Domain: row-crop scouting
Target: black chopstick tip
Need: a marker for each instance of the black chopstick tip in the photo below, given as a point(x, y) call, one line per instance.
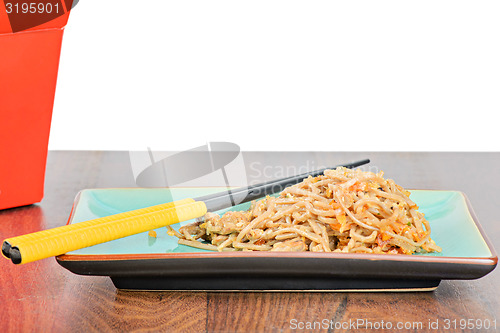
point(15, 255)
point(357, 163)
point(6, 249)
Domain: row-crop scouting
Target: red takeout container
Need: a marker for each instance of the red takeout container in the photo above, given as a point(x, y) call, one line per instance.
point(29, 60)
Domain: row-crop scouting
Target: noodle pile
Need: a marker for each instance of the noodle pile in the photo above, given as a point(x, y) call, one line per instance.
point(342, 210)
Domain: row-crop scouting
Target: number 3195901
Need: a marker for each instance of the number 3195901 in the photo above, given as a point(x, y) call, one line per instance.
point(31, 8)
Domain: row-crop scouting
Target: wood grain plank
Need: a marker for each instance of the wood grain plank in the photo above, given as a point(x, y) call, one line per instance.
point(269, 312)
point(101, 307)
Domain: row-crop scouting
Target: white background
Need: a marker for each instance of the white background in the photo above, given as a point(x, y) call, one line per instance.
point(279, 75)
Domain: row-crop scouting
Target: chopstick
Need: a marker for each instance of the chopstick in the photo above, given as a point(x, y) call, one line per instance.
point(60, 240)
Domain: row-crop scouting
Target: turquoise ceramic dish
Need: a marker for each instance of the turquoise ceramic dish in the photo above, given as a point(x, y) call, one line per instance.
point(466, 254)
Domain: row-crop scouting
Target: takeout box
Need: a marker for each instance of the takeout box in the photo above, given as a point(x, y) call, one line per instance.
point(29, 59)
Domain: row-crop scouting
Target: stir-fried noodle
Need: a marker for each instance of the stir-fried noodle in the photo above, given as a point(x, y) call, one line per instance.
point(343, 210)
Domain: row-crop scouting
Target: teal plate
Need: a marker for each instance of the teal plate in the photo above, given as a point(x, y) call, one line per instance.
point(144, 262)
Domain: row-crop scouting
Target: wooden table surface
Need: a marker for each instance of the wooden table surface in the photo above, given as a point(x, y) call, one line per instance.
point(43, 296)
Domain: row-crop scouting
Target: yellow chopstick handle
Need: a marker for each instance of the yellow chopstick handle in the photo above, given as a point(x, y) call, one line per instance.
point(19, 240)
point(53, 242)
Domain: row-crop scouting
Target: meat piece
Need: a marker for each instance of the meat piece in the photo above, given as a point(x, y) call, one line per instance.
point(230, 222)
point(194, 229)
point(292, 245)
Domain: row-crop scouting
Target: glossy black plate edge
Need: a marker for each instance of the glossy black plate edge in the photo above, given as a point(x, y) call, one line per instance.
point(270, 283)
point(279, 267)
